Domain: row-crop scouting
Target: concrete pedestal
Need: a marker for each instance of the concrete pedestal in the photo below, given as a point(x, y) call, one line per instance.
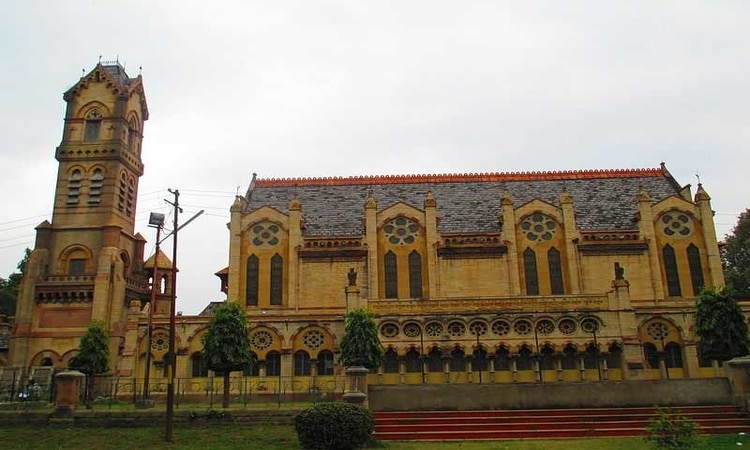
point(68, 385)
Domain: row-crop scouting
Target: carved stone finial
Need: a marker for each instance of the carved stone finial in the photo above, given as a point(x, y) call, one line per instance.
point(295, 204)
point(566, 198)
point(507, 199)
point(429, 201)
point(370, 203)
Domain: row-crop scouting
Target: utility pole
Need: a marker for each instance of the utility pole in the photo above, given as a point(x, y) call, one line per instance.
point(156, 220)
point(172, 310)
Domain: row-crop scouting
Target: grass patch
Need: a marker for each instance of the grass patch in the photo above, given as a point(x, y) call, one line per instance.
point(276, 437)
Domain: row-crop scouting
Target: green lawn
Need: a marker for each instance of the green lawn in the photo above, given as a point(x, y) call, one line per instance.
point(239, 436)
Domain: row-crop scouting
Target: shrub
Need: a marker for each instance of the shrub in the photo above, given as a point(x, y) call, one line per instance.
point(671, 431)
point(334, 426)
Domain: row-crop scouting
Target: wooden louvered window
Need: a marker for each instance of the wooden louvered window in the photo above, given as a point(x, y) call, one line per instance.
point(251, 297)
point(391, 275)
point(555, 271)
point(530, 273)
point(670, 268)
point(277, 269)
point(415, 275)
point(696, 269)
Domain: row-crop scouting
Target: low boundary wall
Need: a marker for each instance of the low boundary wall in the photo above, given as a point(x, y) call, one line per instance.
point(687, 392)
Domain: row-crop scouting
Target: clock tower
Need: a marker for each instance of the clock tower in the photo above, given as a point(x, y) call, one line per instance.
point(87, 263)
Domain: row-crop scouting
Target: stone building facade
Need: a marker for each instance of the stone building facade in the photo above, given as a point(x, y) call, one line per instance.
point(499, 277)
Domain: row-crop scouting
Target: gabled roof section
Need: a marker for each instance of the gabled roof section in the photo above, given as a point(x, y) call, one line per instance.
point(466, 203)
point(115, 74)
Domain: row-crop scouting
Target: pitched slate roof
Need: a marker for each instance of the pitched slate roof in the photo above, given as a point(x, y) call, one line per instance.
point(466, 203)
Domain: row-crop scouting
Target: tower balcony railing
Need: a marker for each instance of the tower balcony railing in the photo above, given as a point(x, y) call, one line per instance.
point(67, 279)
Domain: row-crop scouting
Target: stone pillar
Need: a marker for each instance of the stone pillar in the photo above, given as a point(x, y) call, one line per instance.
point(509, 237)
point(715, 272)
point(357, 390)
point(68, 385)
point(648, 234)
point(431, 235)
point(572, 237)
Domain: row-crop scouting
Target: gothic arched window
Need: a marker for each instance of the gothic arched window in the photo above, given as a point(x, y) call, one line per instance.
point(530, 273)
point(391, 275)
point(415, 274)
point(696, 269)
point(277, 270)
point(670, 268)
point(252, 281)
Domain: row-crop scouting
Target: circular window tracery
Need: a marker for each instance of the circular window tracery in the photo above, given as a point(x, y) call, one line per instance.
point(478, 328)
point(522, 327)
point(456, 329)
point(589, 325)
point(313, 339)
point(567, 326)
point(389, 330)
point(657, 331)
point(160, 341)
point(401, 231)
point(538, 227)
point(265, 234)
point(412, 330)
point(434, 329)
point(545, 327)
point(500, 327)
point(677, 224)
point(261, 340)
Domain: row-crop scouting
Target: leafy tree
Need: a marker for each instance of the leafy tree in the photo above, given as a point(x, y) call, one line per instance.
point(93, 356)
point(226, 345)
point(360, 345)
point(735, 256)
point(9, 287)
point(721, 326)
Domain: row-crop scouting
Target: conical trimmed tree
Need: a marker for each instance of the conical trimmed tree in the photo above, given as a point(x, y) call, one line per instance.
point(226, 345)
point(361, 345)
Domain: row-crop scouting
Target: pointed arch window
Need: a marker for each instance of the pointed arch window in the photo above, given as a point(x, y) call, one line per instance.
point(458, 361)
point(325, 363)
point(696, 269)
point(415, 274)
point(555, 271)
point(92, 126)
point(277, 270)
point(435, 360)
point(95, 188)
point(530, 273)
point(670, 268)
point(391, 275)
point(413, 361)
point(74, 187)
point(673, 355)
point(198, 365)
point(273, 364)
point(302, 363)
point(252, 281)
point(391, 361)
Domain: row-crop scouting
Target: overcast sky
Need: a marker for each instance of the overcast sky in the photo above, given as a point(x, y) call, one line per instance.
point(326, 88)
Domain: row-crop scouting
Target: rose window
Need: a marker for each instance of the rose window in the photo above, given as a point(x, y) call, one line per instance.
point(265, 233)
point(160, 341)
point(389, 330)
point(677, 224)
point(434, 329)
point(545, 327)
point(567, 326)
point(313, 339)
point(261, 340)
point(538, 227)
point(589, 326)
point(401, 231)
point(522, 327)
point(412, 330)
point(500, 328)
point(657, 331)
point(456, 329)
point(478, 328)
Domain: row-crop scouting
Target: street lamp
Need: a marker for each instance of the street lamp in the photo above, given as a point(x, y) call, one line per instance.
point(155, 220)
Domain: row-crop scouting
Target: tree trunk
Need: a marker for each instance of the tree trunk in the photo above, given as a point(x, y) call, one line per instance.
point(89, 394)
point(225, 400)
